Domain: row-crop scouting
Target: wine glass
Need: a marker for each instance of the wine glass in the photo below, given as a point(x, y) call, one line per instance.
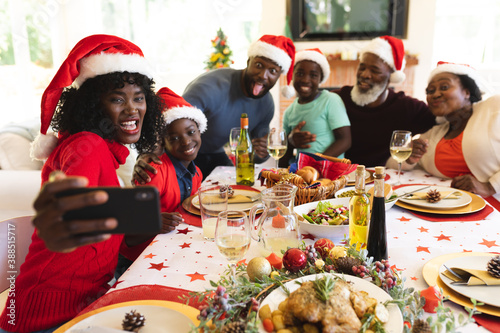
point(232, 236)
point(234, 137)
point(277, 144)
point(400, 149)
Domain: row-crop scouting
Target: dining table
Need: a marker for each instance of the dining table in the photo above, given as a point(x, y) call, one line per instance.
point(182, 261)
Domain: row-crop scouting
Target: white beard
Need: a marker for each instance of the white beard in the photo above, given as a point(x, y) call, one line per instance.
point(368, 97)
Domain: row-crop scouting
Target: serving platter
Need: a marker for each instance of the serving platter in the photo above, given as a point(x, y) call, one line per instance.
point(351, 180)
point(394, 325)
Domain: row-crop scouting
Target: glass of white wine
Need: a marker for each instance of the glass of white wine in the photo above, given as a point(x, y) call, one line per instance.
point(400, 148)
point(232, 236)
point(234, 137)
point(277, 144)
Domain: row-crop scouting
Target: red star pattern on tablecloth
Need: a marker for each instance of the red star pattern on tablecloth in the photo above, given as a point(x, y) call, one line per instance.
point(422, 229)
point(184, 231)
point(159, 266)
point(183, 246)
point(152, 242)
point(443, 237)
point(414, 278)
point(196, 276)
point(150, 256)
point(403, 219)
point(423, 249)
point(308, 236)
point(488, 243)
point(241, 262)
point(117, 283)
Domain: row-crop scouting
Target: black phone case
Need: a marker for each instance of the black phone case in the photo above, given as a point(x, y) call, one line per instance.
point(136, 209)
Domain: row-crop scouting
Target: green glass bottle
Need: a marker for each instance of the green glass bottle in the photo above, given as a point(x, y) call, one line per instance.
point(245, 166)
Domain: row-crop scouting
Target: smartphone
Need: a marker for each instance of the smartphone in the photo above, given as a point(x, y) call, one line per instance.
point(137, 209)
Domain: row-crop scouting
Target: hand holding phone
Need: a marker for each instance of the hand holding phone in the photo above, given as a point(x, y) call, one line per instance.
point(137, 209)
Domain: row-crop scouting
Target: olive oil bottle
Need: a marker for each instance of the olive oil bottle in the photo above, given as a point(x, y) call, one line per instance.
point(245, 166)
point(359, 211)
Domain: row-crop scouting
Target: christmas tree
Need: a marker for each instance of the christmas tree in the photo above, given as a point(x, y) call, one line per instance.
point(221, 57)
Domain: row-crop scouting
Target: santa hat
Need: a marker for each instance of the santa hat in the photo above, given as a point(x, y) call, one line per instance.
point(459, 69)
point(314, 55)
point(392, 51)
point(279, 49)
point(92, 56)
point(176, 107)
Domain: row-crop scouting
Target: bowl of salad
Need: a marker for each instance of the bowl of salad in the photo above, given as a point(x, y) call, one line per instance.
point(325, 218)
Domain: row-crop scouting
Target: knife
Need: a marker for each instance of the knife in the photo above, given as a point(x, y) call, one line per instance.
point(408, 193)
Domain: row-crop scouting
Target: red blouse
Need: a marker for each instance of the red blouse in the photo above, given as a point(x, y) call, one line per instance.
point(449, 157)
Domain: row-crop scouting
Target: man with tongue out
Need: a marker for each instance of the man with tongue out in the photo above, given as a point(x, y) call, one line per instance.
point(224, 94)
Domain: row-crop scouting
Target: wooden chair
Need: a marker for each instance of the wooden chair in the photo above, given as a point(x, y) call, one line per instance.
point(15, 235)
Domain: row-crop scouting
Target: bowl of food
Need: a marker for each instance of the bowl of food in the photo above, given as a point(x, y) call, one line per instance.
point(390, 196)
point(325, 219)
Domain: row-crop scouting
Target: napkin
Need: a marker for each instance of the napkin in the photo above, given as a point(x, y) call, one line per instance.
point(444, 195)
point(473, 277)
point(327, 168)
point(238, 198)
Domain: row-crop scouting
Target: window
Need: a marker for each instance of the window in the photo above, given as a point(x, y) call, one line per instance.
point(175, 36)
point(469, 32)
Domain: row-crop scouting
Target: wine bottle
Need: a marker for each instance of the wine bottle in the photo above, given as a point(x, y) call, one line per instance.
point(245, 167)
point(377, 238)
point(359, 211)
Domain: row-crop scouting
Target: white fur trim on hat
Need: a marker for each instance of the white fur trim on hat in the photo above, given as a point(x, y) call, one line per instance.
point(262, 49)
point(43, 145)
point(460, 69)
point(382, 49)
point(192, 113)
point(397, 77)
point(288, 92)
point(317, 58)
point(105, 63)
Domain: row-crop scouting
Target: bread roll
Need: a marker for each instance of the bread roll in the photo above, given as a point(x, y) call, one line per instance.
point(309, 174)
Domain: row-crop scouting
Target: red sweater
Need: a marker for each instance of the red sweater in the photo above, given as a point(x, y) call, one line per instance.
point(168, 186)
point(53, 287)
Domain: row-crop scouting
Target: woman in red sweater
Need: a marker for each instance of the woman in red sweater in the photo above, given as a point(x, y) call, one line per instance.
point(111, 103)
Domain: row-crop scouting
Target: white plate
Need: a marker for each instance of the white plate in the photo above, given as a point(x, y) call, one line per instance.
point(463, 200)
point(231, 206)
point(486, 294)
point(159, 319)
point(394, 325)
point(352, 176)
point(334, 232)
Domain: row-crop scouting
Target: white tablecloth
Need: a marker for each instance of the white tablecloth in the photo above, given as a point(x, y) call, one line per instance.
point(183, 259)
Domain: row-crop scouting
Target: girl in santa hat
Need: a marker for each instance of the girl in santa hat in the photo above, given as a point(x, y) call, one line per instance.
point(111, 102)
point(318, 114)
point(464, 147)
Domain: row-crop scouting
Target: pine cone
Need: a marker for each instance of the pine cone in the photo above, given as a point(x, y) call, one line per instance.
point(421, 326)
point(230, 191)
point(133, 321)
point(494, 266)
point(345, 264)
point(236, 327)
point(433, 196)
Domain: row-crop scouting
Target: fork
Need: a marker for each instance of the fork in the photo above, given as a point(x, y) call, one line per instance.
point(454, 274)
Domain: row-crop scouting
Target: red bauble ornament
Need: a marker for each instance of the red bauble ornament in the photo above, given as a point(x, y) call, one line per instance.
point(294, 260)
point(323, 246)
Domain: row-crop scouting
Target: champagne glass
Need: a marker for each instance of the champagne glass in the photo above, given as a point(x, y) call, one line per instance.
point(277, 144)
point(234, 137)
point(400, 149)
point(232, 236)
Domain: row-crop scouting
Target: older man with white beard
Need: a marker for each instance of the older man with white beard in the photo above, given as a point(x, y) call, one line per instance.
point(374, 109)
